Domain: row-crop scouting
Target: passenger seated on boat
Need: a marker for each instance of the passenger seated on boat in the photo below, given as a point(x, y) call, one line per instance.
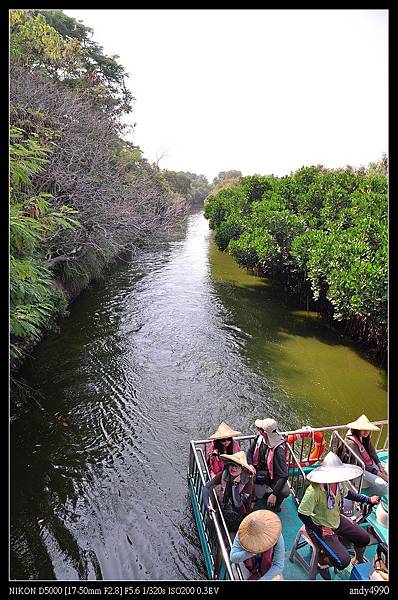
point(358, 439)
point(267, 454)
point(259, 544)
point(236, 489)
point(321, 506)
point(223, 443)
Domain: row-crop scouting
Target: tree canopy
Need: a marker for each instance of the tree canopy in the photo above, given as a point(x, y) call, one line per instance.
point(321, 229)
point(51, 42)
point(79, 192)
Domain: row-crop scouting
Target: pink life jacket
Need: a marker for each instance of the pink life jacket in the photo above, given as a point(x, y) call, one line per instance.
point(263, 565)
point(215, 463)
point(367, 459)
point(269, 457)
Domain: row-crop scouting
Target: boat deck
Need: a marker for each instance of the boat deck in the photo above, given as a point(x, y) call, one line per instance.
point(291, 523)
point(214, 537)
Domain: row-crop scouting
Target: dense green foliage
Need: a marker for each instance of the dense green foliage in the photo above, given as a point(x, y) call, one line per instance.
point(224, 176)
point(225, 179)
point(193, 187)
point(316, 230)
point(33, 298)
point(69, 156)
point(50, 42)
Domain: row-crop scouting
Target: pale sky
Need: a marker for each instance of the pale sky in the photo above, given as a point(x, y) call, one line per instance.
point(261, 91)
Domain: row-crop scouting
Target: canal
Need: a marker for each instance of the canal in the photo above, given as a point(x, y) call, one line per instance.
point(157, 353)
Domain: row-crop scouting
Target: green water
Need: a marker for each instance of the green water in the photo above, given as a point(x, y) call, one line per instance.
point(320, 374)
point(164, 348)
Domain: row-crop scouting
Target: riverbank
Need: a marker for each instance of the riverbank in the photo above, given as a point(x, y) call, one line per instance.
point(177, 340)
point(73, 280)
point(320, 233)
point(79, 191)
point(372, 341)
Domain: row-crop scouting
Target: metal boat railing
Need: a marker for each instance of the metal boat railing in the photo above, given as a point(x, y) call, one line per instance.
point(297, 479)
point(299, 453)
point(214, 536)
point(340, 447)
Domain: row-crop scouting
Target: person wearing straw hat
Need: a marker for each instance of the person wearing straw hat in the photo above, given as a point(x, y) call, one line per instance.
point(267, 454)
point(358, 439)
point(223, 443)
point(320, 511)
point(259, 544)
point(236, 488)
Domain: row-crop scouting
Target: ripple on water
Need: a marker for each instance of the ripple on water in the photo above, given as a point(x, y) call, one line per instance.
point(160, 353)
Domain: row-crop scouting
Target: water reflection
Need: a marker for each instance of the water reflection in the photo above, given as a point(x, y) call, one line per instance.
point(157, 354)
point(316, 371)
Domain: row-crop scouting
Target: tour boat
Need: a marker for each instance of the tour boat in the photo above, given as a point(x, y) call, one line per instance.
point(306, 448)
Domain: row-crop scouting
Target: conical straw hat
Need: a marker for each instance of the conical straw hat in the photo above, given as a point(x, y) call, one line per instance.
point(333, 470)
point(363, 423)
point(224, 431)
point(259, 531)
point(238, 458)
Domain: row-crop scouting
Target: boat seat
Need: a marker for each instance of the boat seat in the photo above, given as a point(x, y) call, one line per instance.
point(311, 565)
